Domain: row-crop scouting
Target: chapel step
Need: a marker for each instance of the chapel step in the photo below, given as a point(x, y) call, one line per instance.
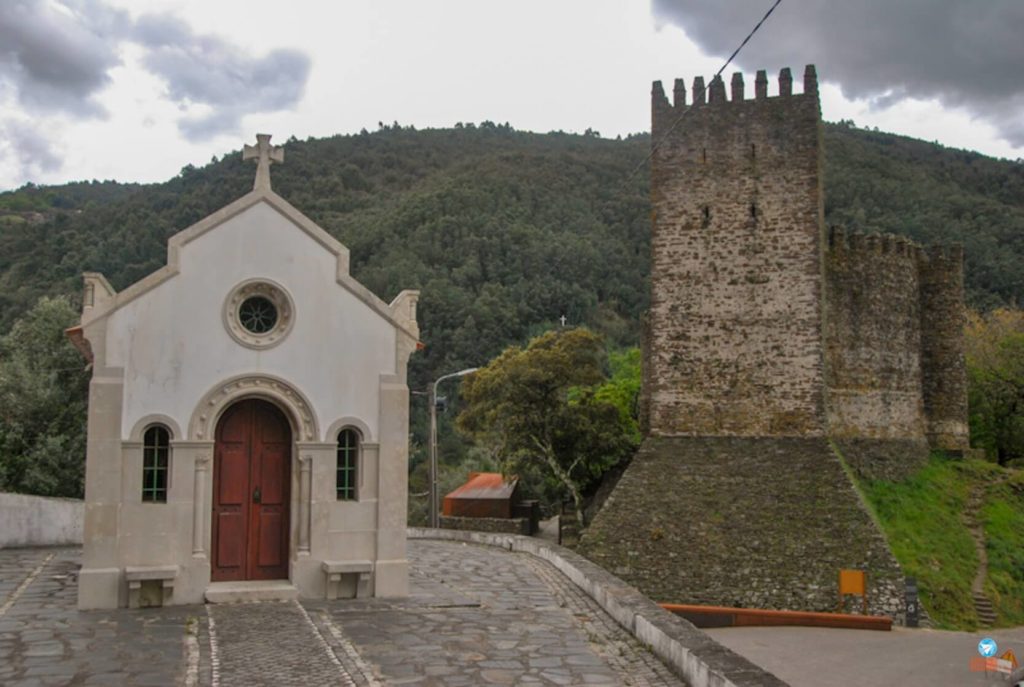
point(251, 590)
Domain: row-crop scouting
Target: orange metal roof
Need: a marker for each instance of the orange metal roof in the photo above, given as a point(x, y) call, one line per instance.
point(484, 485)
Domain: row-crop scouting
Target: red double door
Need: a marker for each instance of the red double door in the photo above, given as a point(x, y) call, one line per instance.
point(251, 478)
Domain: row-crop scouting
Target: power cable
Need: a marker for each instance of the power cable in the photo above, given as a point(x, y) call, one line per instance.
point(657, 144)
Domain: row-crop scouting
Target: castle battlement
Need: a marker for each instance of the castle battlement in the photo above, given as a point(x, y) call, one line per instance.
point(842, 243)
point(946, 255)
point(715, 92)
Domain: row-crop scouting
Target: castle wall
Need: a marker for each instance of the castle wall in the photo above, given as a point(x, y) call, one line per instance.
point(944, 370)
point(737, 521)
point(873, 338)
point(735, 343)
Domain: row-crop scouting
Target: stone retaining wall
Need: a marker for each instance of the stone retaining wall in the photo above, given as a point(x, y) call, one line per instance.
point(39, 521)
point(689, 652)
point(504, 525)
point(743, 522)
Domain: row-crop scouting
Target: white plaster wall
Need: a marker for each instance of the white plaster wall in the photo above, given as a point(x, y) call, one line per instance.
point(38, 521)
point(173, 345)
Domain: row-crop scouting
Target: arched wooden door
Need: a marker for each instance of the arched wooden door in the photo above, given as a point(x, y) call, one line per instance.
point(251, 478)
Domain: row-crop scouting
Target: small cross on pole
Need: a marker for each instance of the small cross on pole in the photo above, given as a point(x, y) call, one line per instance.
point(264, 154)
point(563, 320)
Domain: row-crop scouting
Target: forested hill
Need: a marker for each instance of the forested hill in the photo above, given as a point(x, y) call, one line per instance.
point(503, 231)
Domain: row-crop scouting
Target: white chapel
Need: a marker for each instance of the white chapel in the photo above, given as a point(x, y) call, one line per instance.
point(248, 418)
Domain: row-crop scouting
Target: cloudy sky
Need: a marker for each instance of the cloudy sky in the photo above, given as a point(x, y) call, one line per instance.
point(134, 90)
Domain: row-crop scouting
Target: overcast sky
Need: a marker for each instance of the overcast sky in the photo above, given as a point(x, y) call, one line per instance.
point(134, 90)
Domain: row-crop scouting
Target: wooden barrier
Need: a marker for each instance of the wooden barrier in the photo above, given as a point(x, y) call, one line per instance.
point(724, 616)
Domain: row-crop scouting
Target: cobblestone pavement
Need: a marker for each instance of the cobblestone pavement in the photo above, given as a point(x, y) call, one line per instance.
point(45, 641)
point(480, 616)
point(273, 643)
point(475, 616)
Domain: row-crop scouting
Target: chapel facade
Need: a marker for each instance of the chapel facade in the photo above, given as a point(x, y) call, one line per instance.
point(248, 418)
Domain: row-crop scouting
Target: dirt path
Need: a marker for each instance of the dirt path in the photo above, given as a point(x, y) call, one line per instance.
point(972, 518)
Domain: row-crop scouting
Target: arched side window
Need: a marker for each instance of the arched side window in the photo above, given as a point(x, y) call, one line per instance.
point(347, 476)
point(156, 463)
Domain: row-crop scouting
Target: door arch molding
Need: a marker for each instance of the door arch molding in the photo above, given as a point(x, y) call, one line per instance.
point(296, 407)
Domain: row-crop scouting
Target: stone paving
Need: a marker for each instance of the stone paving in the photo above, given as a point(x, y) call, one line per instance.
point(475, 616)
point(45, 641)
point(482, 616)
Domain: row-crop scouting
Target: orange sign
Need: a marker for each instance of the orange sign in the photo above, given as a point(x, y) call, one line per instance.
point(1011, 657)
point(852, 582)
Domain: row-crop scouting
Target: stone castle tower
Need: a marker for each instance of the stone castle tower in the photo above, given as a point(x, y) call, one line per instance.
point(774, 350)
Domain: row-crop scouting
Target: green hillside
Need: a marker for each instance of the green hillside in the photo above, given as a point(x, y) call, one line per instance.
point(503, 231)
point(928, 519)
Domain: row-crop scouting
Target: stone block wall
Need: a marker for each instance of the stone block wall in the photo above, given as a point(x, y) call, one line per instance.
point(735, 345)
point(747, 522)
point(873, 337)
point(943, 368)
point(500, 525)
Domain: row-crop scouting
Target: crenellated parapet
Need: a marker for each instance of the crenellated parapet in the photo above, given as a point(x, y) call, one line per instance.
point(665, 113)
point(843, 243)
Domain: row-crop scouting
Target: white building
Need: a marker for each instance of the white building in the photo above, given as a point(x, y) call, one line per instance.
point(248, 418)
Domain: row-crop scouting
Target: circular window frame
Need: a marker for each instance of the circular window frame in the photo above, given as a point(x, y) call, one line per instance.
point(274, 293)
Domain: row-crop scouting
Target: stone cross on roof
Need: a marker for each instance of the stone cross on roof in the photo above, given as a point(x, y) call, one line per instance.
point(264, 153)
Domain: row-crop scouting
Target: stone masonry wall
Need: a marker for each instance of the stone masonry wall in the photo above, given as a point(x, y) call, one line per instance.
point(736, 278)
point(873, 337)
point(502, 525)
point(943, 369)
point(748, 522)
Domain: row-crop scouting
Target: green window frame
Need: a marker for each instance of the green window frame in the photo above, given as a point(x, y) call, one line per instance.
point(156, 463)
point(347, 472)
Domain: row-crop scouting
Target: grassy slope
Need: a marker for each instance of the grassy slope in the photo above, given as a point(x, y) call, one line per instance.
point(922, 517)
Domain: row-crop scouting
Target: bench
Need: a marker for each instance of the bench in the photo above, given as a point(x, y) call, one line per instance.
point(334, 570)
point(149, 585)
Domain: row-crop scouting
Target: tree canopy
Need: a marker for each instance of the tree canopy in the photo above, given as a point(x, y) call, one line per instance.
point(995, 368)
point(538, 408)
point(43, 391)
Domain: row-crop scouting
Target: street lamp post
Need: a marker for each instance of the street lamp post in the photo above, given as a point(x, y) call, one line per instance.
point(434, 521)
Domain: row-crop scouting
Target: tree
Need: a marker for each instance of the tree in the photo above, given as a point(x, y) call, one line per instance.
point(43, 400)
point(995, 368)
point(538, 408)
point(623, 388)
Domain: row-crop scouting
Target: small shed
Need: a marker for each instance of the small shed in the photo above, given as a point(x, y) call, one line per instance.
point(484, 495)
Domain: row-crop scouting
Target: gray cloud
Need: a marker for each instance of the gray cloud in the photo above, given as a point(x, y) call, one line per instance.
point(207, 70)
point(34, 152)
point(965, 54)
point(55, 57)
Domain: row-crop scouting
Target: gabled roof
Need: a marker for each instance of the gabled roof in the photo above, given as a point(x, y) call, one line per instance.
point(484, 485)
point(400, 312)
